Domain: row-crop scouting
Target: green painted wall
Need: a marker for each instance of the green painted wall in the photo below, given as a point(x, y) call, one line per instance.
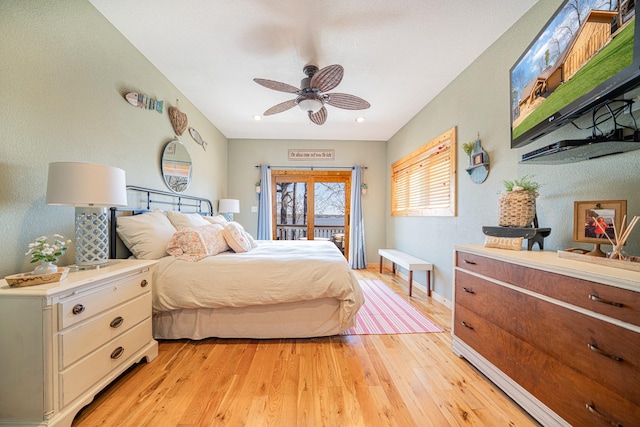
point(478, 101)
point(63, 72)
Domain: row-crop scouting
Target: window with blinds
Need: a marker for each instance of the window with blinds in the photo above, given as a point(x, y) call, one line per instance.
point(423, 183)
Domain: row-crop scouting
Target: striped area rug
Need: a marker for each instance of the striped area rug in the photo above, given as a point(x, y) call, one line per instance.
point(384, 312)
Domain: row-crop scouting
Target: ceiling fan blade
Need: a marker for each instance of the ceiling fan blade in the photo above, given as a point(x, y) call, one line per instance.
point(319, 117)
point(279, 86)
point(327, 78)
point(283, 106)
point(346, 101)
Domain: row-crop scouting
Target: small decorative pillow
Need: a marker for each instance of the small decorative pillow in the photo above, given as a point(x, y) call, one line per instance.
point(218, 219)
point(182, 220)
point(236, 237)
point(146, 235)
point(193, 244)
point(252, 241)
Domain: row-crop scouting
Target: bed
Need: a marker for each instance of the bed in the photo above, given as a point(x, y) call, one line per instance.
point(274, 289)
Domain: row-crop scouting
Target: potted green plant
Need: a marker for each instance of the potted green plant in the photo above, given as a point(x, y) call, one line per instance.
point(517, 206)
point(257, 185)
point(468, 147)
point(363, 188)
point(47, 253)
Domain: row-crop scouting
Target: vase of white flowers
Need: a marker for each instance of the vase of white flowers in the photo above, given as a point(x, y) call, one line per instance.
point(47, 254)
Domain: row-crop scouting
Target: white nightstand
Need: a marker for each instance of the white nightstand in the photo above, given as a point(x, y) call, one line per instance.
point(61, 343)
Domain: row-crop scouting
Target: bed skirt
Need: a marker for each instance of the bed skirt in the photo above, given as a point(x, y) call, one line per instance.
point(303, 319)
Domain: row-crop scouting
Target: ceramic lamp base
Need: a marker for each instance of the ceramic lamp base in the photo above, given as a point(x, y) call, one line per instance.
point(92, 237)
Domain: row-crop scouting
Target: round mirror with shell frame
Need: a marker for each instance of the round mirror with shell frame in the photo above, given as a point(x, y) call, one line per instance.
point(176, 166)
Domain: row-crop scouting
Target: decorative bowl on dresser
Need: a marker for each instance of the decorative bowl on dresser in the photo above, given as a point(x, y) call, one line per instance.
point(63, 342)
point(560, 337)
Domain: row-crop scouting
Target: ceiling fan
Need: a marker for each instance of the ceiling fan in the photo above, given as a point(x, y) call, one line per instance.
point(311, 95)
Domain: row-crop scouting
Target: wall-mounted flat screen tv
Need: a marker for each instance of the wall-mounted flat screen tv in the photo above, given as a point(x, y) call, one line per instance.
point(585, 55)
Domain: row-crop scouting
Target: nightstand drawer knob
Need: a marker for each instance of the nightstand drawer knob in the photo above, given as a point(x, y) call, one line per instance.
point(77, 309)
point(144, 283)
point(468, 290)
point(117, 322)
point(115, 354)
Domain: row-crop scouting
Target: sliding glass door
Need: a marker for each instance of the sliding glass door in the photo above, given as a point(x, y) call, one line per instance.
point(311, 205)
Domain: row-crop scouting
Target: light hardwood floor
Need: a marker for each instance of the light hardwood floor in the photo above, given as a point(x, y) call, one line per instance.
point(358, 380)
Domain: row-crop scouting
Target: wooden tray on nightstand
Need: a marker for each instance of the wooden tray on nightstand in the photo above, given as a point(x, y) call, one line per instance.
point(30, 279)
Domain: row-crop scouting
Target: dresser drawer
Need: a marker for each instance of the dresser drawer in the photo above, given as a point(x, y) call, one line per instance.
point(607, 353)
point(83, 338)
point(92, 302)
point(88, 371)
point(485, 338)
point(561, 388)
point(608, 300)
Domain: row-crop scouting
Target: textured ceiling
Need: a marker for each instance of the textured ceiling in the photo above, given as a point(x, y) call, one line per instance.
point(397, 54)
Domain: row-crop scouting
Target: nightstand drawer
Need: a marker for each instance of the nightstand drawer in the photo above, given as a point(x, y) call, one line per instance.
point(88, 371)
point(83, 338)
point(92, 302)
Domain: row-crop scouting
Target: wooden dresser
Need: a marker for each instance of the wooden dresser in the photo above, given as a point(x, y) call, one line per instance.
point(61, 343)
point(561, 337)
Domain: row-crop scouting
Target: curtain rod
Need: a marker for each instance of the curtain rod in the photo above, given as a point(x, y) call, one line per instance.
point(312, 167)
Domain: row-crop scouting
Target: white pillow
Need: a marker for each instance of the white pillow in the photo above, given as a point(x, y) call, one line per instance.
point(218, 219)
point(236, 237)
point(246, 234)
point(146, 235)
point(182, 220)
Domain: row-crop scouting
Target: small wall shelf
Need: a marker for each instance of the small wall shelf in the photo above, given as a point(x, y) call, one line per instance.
point(478, 168)
point(471, 168)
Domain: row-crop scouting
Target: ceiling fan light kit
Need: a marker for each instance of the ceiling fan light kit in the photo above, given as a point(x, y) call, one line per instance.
point(311, 97)
point(310, 104)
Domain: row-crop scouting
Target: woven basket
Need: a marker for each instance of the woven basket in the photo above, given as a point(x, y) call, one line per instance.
point(517, 208)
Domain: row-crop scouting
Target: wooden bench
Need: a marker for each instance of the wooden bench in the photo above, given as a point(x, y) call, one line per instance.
point(408, 262)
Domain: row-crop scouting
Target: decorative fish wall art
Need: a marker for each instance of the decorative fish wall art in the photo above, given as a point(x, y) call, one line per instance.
point(197, 138)
point(143, 101)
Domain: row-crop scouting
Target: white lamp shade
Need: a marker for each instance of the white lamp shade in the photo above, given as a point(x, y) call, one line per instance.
point(86, 184)
point(229, 206)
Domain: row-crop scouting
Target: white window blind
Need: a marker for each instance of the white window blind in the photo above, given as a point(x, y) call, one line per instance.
point(423, 183)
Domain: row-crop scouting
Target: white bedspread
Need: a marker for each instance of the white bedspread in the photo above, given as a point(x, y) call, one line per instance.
point(274, 272)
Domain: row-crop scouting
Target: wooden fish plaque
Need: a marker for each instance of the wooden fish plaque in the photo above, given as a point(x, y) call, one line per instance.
point(143, 101)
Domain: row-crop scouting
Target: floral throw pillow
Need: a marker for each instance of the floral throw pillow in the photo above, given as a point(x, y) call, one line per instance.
point(193, 244)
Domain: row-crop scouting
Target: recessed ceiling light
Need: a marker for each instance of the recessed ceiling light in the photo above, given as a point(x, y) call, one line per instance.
point(257, 118)
point(360, 119)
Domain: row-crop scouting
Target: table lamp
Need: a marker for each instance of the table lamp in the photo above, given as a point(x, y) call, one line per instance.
point(228, 207)
point(90, 188)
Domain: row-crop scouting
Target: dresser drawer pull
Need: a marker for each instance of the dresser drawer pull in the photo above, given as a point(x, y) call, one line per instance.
point(595, 348)
point(604, 301)
point(77, 309)
point(466, 325)
point(144, 283)
point(115, 354)
point(468, 290)
point(593, 410)
point(117, 322)
point(466, 261)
